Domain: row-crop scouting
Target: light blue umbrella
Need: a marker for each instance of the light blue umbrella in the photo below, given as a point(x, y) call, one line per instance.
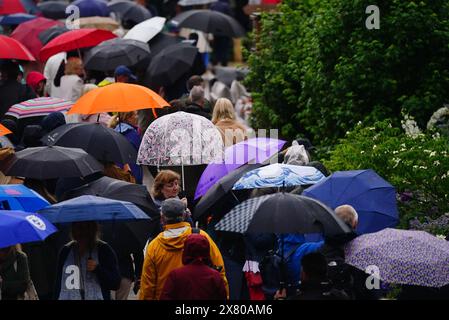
point(19, 197)
point(279, 175)
point(91, 208)
point(21, 227)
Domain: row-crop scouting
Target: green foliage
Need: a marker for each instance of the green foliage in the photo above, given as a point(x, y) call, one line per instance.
point(417, 166)
point(318, 70)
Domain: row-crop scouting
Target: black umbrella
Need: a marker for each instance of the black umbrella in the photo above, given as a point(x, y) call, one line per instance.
point(104, 144)
point(53, 9)
point(209, 21)
point(44, 163)
point(130, 13)
point(171, 64)
point(161, 41)
point(47, 35)
point(282, 213)
point(115, 52)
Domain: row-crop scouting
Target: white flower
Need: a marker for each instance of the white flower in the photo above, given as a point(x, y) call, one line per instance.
point(440, 236)
point(395, 152)
point(423, 167)
point(362, 152)
point(410, 126)
point(436, 163)
point(433, 154)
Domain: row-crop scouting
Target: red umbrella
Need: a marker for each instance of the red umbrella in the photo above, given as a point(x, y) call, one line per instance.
point(75, 39)
point(13, 49)
point(11, 7)
point(28, 33)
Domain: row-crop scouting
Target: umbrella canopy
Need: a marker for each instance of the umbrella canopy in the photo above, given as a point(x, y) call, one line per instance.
point(92, 208)
point(180, 138)
point(129, 13)
point(279, 175)
point(43, 163)
point(16, 19)
point(27, 33)
point(115, 52)
point(12, 7)
point(19, 197)
point(372, 197)
point(104, 144)
point(103, 23)
point(161, 41)
point(21, 227)
point(209, 21)
point(118, 97)
point(92, 8)
point(146, 30)
point(75, 39)
point(13, 49)
point(402, 256)
point(4, 131)
point(256, 150)
point(38, 107)
point(188, 3)
point(282, 213)
point(47, 35)
point(171, 64)
point(53, 9)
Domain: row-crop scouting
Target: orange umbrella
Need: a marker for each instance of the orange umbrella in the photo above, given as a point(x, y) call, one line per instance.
point(4, 131)
point(118, 97)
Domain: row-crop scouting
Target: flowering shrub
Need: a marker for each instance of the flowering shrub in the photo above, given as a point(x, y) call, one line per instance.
point(417, 164)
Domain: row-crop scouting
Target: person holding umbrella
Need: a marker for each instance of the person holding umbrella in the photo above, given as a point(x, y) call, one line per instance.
point(37, 82)
point(14, 273)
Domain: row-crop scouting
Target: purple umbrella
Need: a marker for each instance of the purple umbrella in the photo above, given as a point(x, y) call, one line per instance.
point(402, 257)
point(255, 150)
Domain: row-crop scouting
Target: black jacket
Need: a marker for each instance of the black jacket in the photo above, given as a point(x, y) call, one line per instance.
point(319, 291)
point(196, 109)
point(12, 92)
point(107, 269)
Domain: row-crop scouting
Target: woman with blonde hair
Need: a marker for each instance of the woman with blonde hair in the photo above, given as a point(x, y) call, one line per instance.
point(224, 118)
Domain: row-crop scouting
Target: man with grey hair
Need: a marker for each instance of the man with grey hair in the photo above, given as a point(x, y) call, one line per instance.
point(348, 214)
point(197, 101)
point(164, 253)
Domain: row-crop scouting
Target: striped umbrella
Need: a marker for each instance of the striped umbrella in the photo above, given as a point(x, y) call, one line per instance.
point(39, 107)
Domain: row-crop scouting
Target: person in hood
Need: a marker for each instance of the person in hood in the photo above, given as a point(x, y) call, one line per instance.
point(196, 280)
point(297, 155)
point(36, 81)
point(164, 254)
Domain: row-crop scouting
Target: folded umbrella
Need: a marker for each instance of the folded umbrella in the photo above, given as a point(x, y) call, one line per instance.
point(16, 19)
point(4, 131)
point(53, 9)
point(19, 197)
point(146, 30)
point(13, 49)
point(373, 198)
point(73, 40)
point(115, 52)
point(39, 107)
point(92, 8)
point(44, 163)
point(402, 257)
point(21, 227)
point(129, 13)
point(47, 35)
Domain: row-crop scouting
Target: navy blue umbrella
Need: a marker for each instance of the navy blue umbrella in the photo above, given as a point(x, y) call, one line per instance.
point(16, 19)
point(19, 197)
point(92, 8)
point(91, 208)
point(20, 227)
point(373, 198)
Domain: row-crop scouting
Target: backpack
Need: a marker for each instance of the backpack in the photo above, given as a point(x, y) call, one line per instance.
point(273, 271)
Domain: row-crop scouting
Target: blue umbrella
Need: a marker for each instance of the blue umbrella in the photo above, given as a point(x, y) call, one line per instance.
point(19, 197)
point(16, 19)
point(20, 227)
point(91, 208)
point(372, 197)
point(279, 175)
point(92, 8)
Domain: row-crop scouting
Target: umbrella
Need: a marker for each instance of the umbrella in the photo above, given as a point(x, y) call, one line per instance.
point(129, 13)
point(11, 7)
point(38, 107)
point(43, 163)
point(27, 33)
point(92, 8)
point(53, 9)
point(104, 144)
point(118, 97)
point(4, 131)
point(372, 197)
point(20, 227)
point(13, 49)
point(115, 52)
point(19, 197)
point(402, 257)
point(256, 150)
point(171, 64)
point(103, 23)
point(282, 213)
point(279, 175)
point(209, 21)
point(146, 30)
point(16, 19)
point(73, 40)
point(161, 41)
point(188, 3)
point(47, 35)
point(92, 208)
